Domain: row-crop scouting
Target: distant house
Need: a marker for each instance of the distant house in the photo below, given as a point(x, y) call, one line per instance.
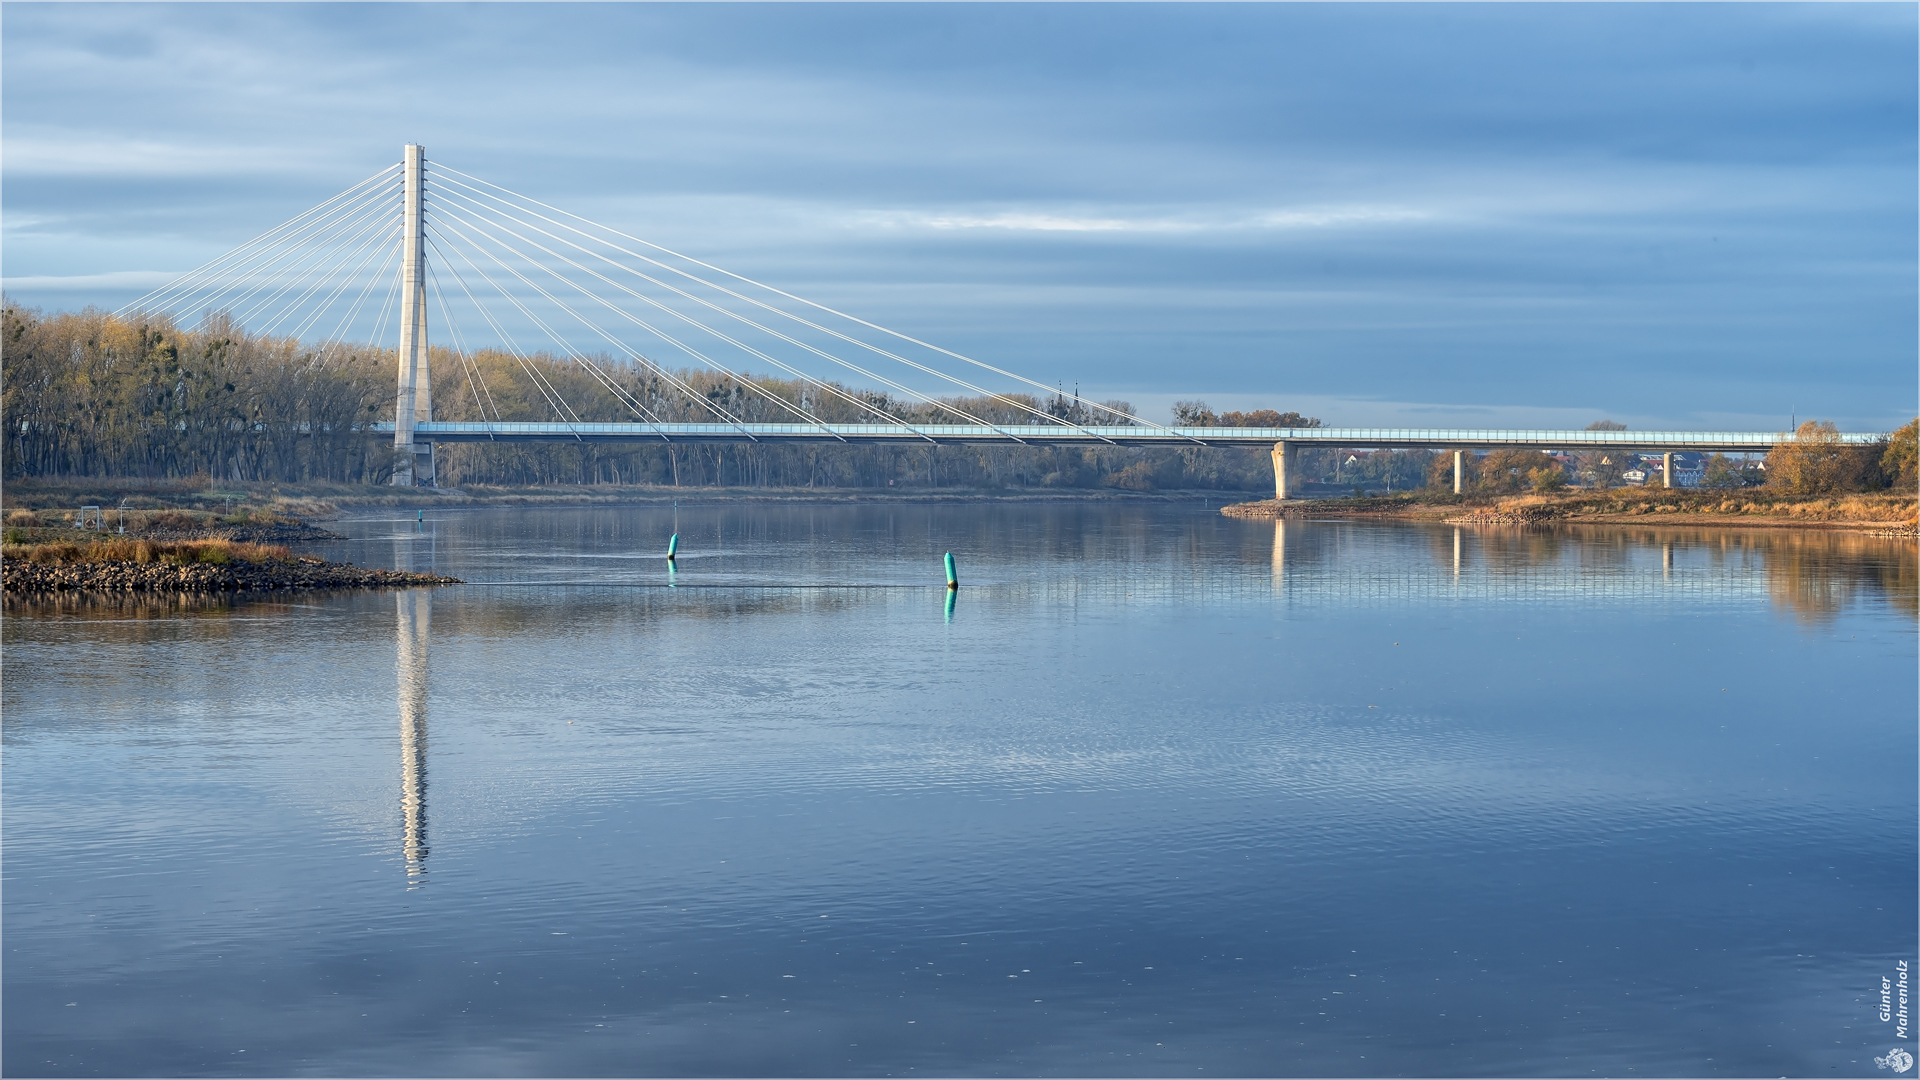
point(1634, 476)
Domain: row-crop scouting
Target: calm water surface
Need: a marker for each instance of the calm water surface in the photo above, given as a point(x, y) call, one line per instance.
point(1164, 793)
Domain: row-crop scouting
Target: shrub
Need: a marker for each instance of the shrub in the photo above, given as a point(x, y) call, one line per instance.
point(1548, 479)
point(1135, 477)
point(1816, 462)
point(1900, 462)
point(1723, 472)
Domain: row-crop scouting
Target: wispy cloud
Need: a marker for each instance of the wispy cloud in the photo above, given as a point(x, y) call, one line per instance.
point(55, 155)
point(1027, 221)
point(118, 279)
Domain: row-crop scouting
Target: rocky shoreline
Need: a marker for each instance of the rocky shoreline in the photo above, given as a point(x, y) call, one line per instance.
point(132, 577)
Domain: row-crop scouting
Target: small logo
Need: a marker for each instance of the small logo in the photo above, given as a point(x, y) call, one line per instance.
point(1897, 1059)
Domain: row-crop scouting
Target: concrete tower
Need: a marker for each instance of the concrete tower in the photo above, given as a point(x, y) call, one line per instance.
point(414, 404)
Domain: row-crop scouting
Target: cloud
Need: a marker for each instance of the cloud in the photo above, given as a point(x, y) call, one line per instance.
point(1647, 207)
point(117, 279)
point(1018, 221)
point(57, 155)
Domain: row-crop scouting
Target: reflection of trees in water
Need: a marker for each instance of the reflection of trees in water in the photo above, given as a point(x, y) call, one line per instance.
point(118, 606)
point(1817, 575)
point(1813, 574)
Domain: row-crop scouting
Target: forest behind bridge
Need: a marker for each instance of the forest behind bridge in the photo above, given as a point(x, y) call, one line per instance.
point(90, 394)
point(94, 395)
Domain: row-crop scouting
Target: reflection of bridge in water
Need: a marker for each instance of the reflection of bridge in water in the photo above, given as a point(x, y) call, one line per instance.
point(414, 625)
point(413, 628)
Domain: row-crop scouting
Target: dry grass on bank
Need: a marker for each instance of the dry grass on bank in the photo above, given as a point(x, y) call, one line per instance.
point(1756, 506)
point(1879, 507)
point(177, 552)
point(144, 520)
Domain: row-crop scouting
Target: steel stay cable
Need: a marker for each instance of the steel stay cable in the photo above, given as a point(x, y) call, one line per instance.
point(636, 354)
point(270, 266)
point(831, 388)
point(207, 266)
point(460, 350)
point(304, 258)
point(689, 350)
point(625, 397)
point(380, 326)
point(647, 326)
point(345, 284)
point(620, 393)
point(804, 376)
point(833, 311)
point(237, 273)
point(239, 282)
point(339, 330)
point(370, 228)
point(555, 400)
point(373, 232)
point(936, 402)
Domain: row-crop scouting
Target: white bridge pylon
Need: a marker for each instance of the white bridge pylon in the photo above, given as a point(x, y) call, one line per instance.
point(505, 271)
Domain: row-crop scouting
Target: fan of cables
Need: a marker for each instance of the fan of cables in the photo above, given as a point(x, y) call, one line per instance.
point(509, 272)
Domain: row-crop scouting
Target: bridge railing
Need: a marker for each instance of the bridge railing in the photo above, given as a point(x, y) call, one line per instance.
point(1380, 438)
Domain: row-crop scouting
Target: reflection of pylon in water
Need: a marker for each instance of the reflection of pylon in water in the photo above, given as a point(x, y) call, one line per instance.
point(415, 615)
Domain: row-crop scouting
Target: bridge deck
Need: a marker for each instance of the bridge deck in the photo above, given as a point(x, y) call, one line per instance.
point(440, 431)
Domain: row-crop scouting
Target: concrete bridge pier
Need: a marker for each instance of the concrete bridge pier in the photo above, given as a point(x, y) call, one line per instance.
point(1666, 469)
point(1459, 470)
point(1286, 456)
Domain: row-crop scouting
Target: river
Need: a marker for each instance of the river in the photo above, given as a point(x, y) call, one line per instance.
point(1159, 792)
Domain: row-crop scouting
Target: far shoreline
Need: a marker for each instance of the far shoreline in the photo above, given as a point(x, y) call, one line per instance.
point(1745, 508)
point(298, 504)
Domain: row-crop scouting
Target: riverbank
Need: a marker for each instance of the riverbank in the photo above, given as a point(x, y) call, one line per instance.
point(59, 498)
point(216, 566)
point(1745, 508)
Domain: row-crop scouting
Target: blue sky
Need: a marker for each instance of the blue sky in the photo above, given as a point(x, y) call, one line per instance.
point(1677, 216)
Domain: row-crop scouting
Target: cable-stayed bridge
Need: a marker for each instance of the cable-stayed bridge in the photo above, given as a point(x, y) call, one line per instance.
point(500, 269)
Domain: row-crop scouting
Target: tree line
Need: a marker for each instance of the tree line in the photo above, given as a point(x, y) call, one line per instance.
point(90, 394)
